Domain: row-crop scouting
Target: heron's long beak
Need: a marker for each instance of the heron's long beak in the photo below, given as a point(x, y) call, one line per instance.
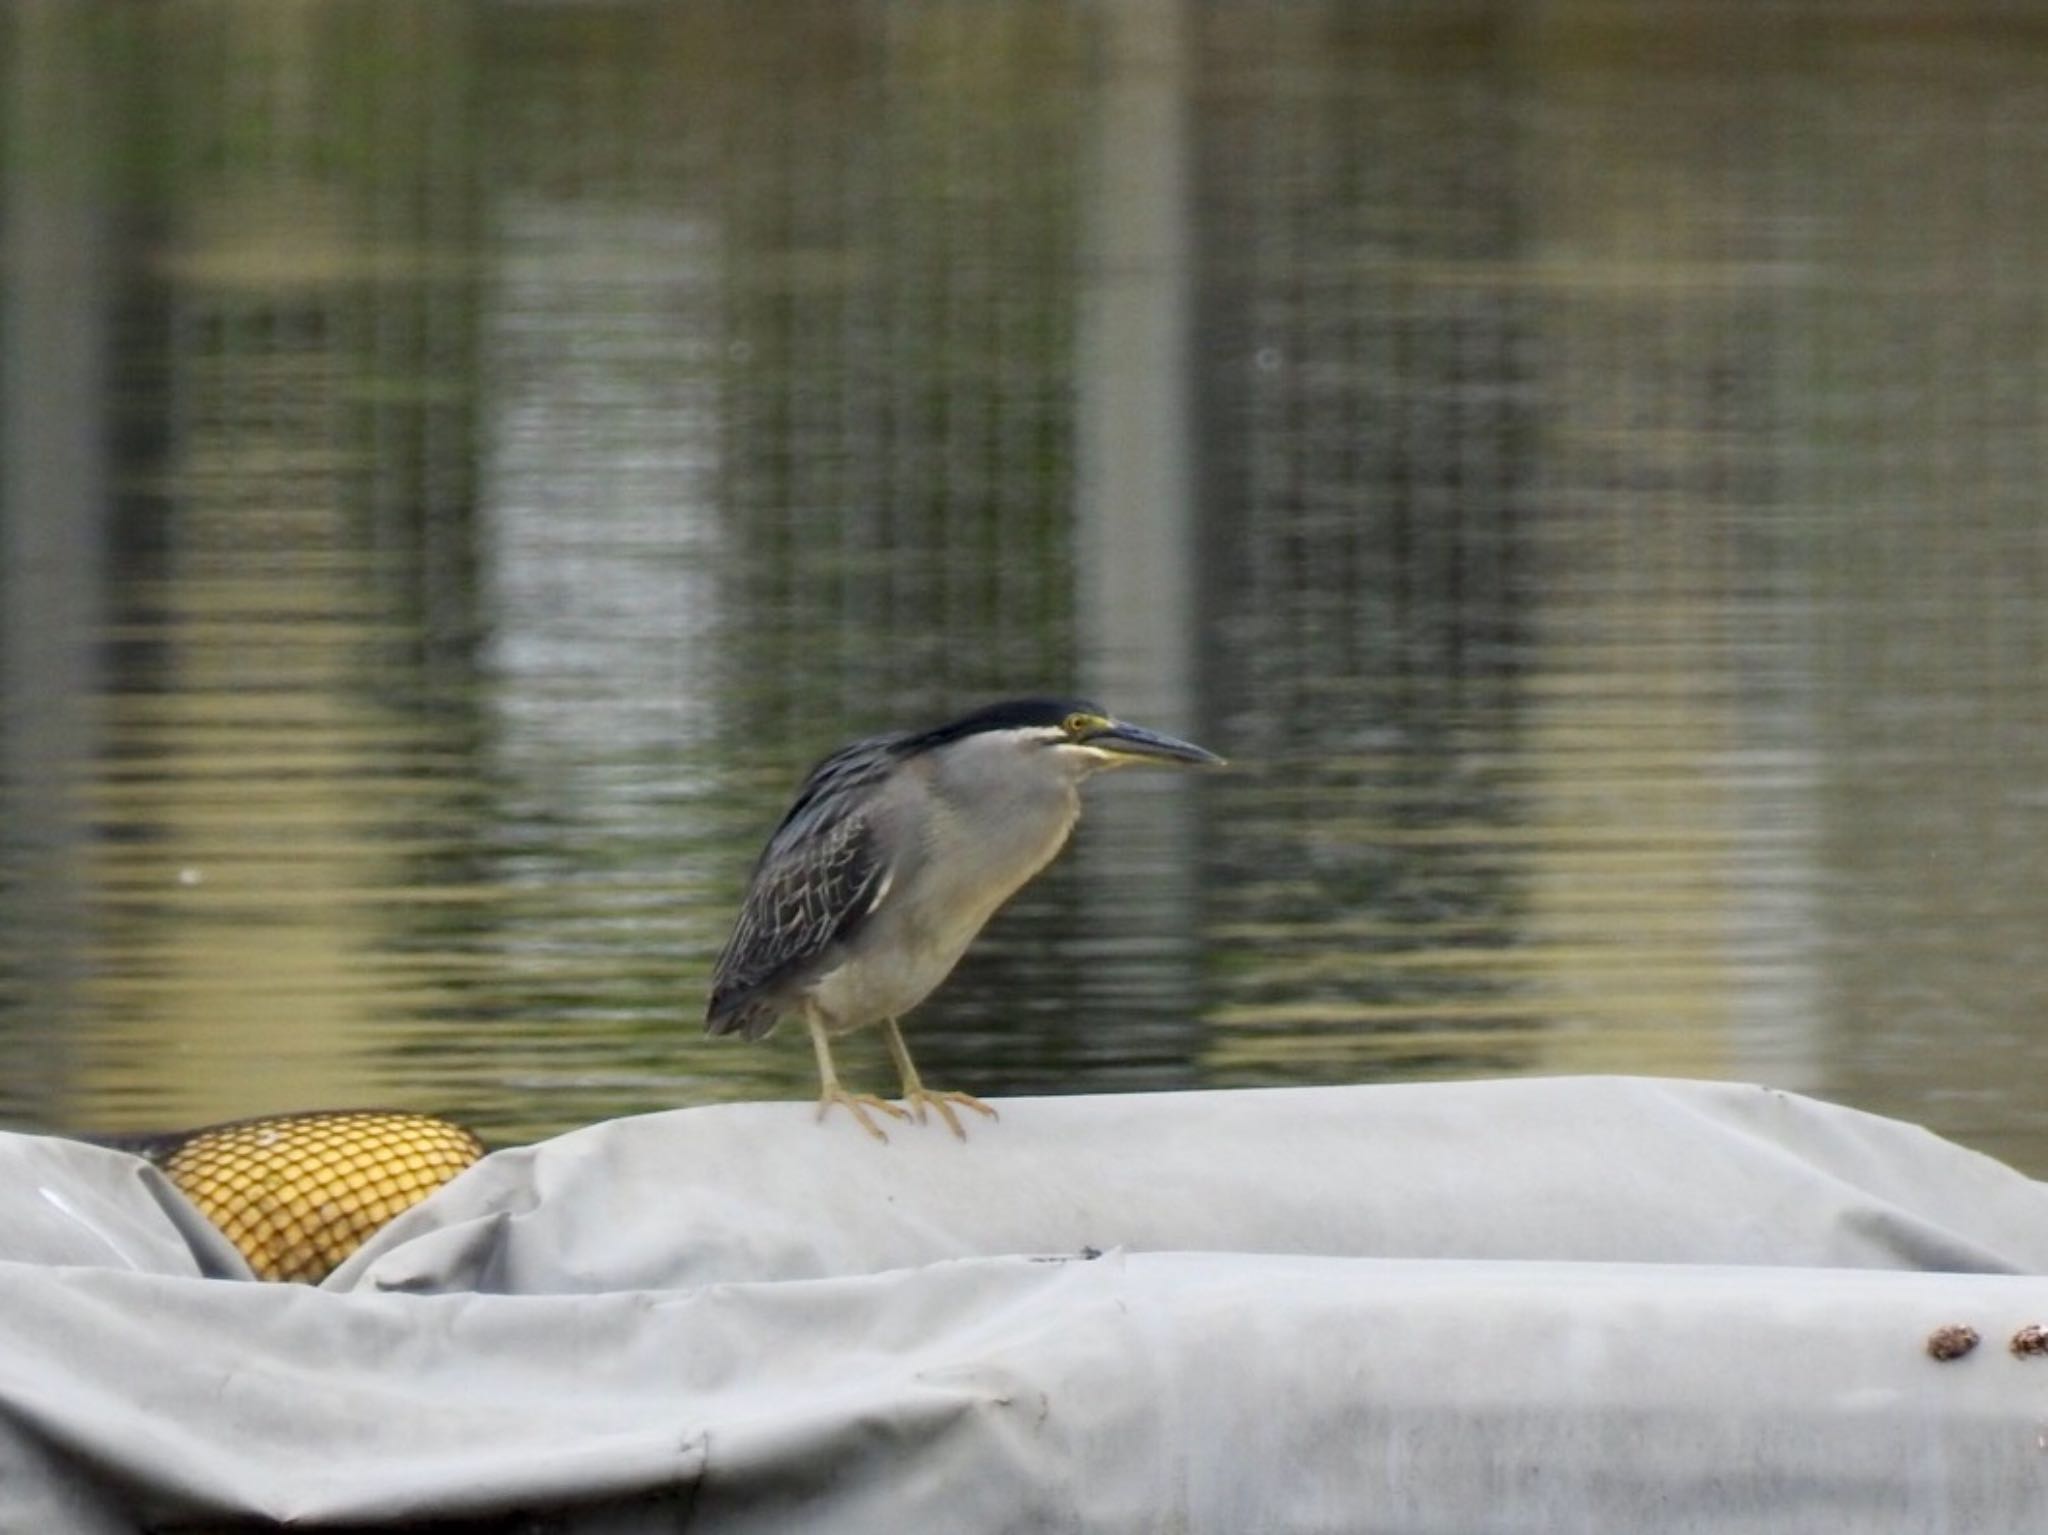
point(1137, 744)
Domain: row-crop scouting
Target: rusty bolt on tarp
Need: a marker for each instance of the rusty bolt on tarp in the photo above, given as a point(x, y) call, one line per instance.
point(1952, 1341)
point(2031, 1339)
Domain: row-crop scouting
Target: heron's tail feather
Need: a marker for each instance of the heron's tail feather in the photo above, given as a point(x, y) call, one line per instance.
point(741, 1014)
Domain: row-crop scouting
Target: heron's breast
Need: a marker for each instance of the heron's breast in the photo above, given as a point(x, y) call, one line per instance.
point(975, 863)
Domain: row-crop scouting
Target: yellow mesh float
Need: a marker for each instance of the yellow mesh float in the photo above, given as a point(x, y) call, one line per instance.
point(297, 1193)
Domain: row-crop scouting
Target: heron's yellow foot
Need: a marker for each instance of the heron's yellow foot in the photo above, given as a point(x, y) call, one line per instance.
point(916, 1097)
point(858, 1104)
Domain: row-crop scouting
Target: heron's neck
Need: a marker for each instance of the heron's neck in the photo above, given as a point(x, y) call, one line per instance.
point(1017, 811)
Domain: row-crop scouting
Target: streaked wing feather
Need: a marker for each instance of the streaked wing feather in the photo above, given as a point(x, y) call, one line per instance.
point(818, 879)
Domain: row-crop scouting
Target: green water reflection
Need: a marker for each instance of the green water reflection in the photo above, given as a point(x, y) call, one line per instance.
point(459, 464)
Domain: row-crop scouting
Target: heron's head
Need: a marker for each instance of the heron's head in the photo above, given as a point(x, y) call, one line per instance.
point(1069, 735)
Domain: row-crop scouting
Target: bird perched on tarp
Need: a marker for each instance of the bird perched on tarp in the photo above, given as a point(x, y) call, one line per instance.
point(895, 853)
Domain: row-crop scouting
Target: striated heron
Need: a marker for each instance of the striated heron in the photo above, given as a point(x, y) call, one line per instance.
point(896, 852)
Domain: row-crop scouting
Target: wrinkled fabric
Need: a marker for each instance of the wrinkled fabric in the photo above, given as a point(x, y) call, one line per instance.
point(1578, 1305)
point(1587, 1170)
point(65, 1203)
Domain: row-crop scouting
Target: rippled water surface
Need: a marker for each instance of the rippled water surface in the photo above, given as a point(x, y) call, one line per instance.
point(1583, 463)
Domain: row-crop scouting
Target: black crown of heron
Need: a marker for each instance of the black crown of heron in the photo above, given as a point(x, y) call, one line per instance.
point(895, 853)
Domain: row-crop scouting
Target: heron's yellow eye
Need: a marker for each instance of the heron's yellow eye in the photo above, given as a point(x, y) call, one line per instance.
point(1078, 725)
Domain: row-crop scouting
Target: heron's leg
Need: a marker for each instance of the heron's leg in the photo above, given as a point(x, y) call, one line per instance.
point(916, 1095)
point(857, 1104)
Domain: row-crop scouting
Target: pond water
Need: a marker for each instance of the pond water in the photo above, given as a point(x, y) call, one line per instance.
point(1582, 462)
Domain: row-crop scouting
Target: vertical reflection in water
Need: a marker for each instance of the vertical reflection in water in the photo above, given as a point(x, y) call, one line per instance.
point(1366, 437)
point(1136, 537)
point(312, 451)
point(1928, 366)
point(898, 465)
point(54, 310)
point(605, 677)
point(1656, 403)
point(621, 655)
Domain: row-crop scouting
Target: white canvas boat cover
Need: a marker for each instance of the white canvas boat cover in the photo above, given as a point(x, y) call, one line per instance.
point(1565, 1305)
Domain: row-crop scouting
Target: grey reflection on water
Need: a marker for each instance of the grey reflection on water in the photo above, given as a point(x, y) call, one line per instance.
point(457, 467)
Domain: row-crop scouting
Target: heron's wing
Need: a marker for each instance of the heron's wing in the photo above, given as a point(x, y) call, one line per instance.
point(820, 876)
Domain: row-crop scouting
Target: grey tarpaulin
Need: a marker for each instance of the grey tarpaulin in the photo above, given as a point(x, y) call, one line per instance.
point(1598, 1304)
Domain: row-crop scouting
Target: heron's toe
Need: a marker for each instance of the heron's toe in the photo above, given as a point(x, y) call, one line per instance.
point(858, 1104)
point(942, 1105)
